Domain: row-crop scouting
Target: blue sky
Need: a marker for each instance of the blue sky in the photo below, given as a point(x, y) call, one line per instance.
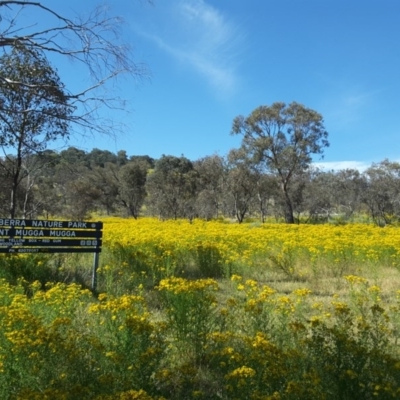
point(211, 60)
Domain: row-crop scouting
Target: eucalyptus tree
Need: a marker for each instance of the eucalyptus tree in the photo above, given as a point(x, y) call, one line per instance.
point(172, 188)
point(73, 156)
point(80, 198)
point(99, 158)
point(318, 195)
point(5, 186)
point(282, 138)
point(48, 198)
point(348, 192)
point(267, 193)
point(93, 41)
point(241, 185)
point(382, 193)
point(34, 112)
point(211, 185)
point(132, 186)
point(105, 179)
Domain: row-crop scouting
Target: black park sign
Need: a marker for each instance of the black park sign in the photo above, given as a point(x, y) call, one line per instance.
point(41, 236)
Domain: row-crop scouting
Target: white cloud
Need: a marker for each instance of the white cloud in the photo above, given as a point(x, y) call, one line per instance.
point(199, 36)
point(348, 108)
point(338, 165)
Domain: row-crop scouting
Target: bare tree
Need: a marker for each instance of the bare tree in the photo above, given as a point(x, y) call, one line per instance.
point(94, 42)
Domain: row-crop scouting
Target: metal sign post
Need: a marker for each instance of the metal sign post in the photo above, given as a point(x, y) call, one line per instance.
point(94, 271)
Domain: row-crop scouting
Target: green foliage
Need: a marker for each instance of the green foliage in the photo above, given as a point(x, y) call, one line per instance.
point(282, 139)
point(35, 106)
point(209, 261)
point(189, 308)
point(35, 110)
point(132, 181)
point(172, 188)
point(32, 268)
point(83, 348)
point(63, 343)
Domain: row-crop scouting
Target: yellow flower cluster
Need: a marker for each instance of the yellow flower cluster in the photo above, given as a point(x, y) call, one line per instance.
point(172, 245)
point(182, 338)
point(61, 343)
point(355, 280)
point(180, 285)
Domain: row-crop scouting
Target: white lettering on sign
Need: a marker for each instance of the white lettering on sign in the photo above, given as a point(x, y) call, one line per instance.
point(63, 233)
point(28, 232)
point(78, 225)
point(48, 224)
point(12, 222)
point(4, 232)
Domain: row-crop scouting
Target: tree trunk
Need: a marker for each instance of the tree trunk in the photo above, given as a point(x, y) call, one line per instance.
point(288, 206)
point(15, 182)
point(262, 207)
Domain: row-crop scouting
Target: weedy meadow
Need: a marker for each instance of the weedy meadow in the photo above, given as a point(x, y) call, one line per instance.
point(206, 310)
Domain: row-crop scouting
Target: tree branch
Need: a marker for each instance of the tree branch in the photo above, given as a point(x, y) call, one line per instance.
point(93, 41)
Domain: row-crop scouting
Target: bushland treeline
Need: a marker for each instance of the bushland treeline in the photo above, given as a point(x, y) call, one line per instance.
point(73, 183)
